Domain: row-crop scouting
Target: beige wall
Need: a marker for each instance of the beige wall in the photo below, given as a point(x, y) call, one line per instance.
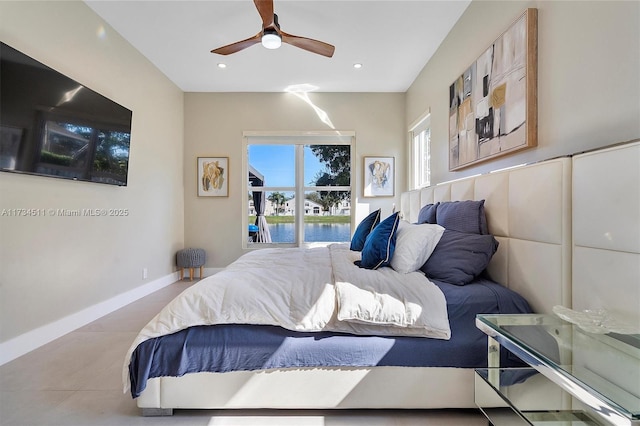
point(588, 76)
point(52, 267)
point(214, 123)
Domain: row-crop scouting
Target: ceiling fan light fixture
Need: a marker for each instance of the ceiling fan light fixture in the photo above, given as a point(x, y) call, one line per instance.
point(271, 39)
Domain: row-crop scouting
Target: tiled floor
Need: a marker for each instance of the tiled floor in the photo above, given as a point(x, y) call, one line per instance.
point(75, 380)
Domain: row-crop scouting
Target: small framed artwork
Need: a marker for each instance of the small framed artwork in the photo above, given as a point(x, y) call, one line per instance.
point(213, 176)
point(379, 175)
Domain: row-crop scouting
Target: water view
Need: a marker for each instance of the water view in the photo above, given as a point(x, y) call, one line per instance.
point(313, 232)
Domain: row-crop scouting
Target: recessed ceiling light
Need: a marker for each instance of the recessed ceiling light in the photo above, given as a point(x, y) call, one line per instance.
point(221, 65)
point(357, 65)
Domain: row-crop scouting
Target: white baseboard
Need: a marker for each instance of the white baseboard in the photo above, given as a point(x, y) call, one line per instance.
point(20, 345)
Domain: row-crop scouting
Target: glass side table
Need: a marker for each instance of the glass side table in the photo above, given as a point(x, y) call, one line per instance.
point(585, 379)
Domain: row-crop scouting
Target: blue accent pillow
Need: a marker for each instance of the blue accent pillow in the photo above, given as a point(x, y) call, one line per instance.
point(428, 213)
point(380, 244)
point(364, 228)
point(463, 216)
point(459, 257)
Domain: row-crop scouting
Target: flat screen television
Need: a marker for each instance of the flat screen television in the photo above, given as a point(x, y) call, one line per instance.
point(51, 125)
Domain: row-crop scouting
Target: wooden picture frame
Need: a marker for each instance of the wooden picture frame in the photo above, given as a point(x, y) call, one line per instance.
point(379, 176)
point(493, 105)
point(213, 176)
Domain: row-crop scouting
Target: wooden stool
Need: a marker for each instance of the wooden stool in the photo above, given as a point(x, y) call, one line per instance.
point(191, 258)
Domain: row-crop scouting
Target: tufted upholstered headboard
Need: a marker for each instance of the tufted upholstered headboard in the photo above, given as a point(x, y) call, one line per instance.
point(528, 210)
point(606, 231)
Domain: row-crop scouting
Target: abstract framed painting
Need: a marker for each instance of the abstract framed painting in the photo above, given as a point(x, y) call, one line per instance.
point(493, 105)
point(213, 176)
point(379, 175)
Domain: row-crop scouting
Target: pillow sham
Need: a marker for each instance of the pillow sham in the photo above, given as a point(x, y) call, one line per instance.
point(380, 244)
point(463, 216)
point(414, 245)
point(459, 257)
point(427, 213)
point(364, 229)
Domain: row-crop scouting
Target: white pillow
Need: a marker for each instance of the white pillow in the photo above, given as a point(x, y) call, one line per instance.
point(414, 245)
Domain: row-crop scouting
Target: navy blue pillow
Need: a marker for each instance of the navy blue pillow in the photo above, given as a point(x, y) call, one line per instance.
point(380, 244)
point(428, 213)
point(459, 257)
point(364, 228)
point(463, 216)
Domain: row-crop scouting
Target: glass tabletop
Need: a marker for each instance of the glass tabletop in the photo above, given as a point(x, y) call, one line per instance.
point(606, 366)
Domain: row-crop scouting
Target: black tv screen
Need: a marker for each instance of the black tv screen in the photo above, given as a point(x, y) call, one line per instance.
point(51, 125)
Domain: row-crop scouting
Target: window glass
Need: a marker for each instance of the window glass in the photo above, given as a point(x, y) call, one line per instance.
point(327, 165)
point(288, 178)
point(275, 163)
point(421, 154)
point(327, 217)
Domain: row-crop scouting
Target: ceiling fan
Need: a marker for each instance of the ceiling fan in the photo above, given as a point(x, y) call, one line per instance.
point(272, 36)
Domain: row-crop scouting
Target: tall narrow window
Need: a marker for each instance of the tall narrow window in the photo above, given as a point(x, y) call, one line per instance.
point(421, 152)
point(299, 189)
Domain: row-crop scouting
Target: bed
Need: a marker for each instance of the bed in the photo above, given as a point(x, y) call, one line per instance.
point(405, 355)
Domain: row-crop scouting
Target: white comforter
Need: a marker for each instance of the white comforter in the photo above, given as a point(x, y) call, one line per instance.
point(317, 289)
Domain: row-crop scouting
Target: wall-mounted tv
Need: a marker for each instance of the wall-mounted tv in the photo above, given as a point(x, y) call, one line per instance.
point(51, 125)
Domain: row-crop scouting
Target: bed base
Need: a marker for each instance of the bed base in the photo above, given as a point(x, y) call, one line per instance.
point(313, 388)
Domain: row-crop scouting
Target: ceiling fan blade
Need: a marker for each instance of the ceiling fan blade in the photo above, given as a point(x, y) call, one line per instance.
point(311, 45)
point(238, 46)
point(265, 9)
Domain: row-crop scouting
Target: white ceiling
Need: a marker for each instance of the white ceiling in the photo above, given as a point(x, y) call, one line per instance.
point(392, 39)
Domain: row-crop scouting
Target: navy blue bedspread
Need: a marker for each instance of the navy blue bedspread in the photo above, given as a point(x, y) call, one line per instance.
point(224, 348)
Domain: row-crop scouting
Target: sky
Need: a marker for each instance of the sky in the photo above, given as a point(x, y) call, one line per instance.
point(277, 164)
